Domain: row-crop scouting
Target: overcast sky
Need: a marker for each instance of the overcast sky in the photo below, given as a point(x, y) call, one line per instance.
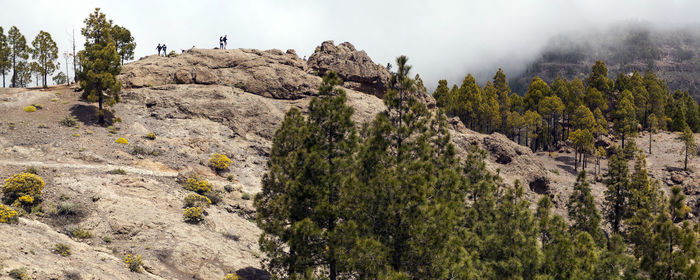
point(443, 39)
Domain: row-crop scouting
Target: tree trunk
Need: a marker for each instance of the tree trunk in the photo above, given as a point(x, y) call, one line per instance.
point(650, 142)
point(685, 164)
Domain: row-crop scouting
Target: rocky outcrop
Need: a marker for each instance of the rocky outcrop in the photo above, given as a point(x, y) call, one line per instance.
point(355, 67)
point(270, 73)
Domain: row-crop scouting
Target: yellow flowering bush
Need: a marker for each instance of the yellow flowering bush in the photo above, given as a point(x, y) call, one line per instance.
point(121, 140)
point(22, 184)
point(30, 109)
point(194, 215)
point(26, 200)
point(196, 200)
point(7, 215)
point(197, 185)
point(232, 276)
point(219, 162)
point(133, 262)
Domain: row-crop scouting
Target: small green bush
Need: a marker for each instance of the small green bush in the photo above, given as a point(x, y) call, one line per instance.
point(31, 169)
point(121, 140)
point(194, 215)
point(133, 262)
point(213, 196)
point(19, 273)
point(245, 196)
point(197, 185)
point(150, 136)
point(219, 162)
point(42, 126)
point(107, 239)
point(78, 233)
point(240, 85)
point(117, 171)
point(232, 276)
point(30, 109)
point(67, 208)
point(230, 178)
point(196, 200)
point(7, 215)
point(22, 184)
point(68, 121)
point(62, 249)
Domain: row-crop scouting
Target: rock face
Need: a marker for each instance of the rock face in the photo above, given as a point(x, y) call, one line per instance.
point(355, 67)
point(270, 73)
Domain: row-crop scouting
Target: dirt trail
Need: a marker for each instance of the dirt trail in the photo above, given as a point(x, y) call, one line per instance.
point(100, 167)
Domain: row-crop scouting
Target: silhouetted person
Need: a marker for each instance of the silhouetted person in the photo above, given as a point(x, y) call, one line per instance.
point(225, 42)
point(221, 42)
point(165, 52)
point(159, 48)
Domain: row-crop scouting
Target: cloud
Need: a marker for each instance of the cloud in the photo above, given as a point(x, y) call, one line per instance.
point(443, 39)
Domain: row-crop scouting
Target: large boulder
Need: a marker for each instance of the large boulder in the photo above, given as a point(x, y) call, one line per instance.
point(355, 67)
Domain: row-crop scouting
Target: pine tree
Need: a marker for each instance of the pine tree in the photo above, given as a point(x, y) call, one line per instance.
point(689, 142)
point(325, 163)
point(510, 251)
point(625, 117)
point(537, 90)
point(674, 250)
point(124, 43)
point(5, 62)
point(99, 63)
point(443, 98)
point(407, 180)
point(583, 212)
point(617, 191)
point(582, 141)
point(45, 52)
point(598, 79)
point(653, 124)
point(18, 53)
point(551, 108)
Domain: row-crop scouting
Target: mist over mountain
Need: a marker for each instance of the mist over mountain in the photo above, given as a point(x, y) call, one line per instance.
point(673, 52)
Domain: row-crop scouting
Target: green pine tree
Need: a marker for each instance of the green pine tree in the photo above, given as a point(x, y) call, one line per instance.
point(617, 191)
point(583, 211)
point(99, 63)
point(18, 54)
point(45, 52)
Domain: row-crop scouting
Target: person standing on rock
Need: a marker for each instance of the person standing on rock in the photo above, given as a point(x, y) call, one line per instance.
point(159, 48)
point(164, 50)
point(221, 42)
point(225, 42)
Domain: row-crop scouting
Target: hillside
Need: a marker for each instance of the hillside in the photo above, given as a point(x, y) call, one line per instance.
point(200, 103)
point(672, 53)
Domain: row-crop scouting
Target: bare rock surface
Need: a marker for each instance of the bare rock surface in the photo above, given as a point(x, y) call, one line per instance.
point(355, 67)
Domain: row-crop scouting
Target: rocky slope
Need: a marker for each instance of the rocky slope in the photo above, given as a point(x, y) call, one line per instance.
point(199, 103)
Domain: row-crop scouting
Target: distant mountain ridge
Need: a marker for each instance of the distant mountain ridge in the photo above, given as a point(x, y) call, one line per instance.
point(673, 53)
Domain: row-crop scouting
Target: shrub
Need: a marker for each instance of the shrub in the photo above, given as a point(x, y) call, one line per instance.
point(150, 136)
point(54, 99)
point(230, 178)
point(76, 135)
point(68, 121)
point(19, 273)
point(138, 150)
point(121, 140)
point(43, 126)
point(78, 233)
point(26, 200)
point(232, 276)
point(67, 208)
point(228, 188)
point(197, 185)
point(22, 184)
point(219, 162)
point(38, 106)
point(194, 215)
point(213, 196)
point(133, 262)
point(30, 109)
point(7, 215)
point(117, 171)
point(196, 200)
point(62, 249)
point(240, 85)
point(245, 196)
point(31, 169)
point(107, 239)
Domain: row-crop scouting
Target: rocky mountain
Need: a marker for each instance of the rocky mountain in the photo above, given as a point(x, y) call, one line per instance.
point(130, 196)
point(672, 53)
